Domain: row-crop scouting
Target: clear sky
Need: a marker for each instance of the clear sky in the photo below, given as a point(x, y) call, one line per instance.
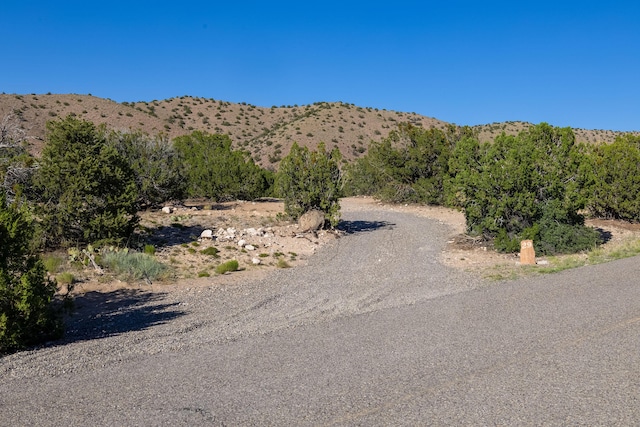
point(568, 63)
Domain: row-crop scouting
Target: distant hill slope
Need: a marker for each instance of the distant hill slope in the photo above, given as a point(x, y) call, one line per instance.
point(267, 133)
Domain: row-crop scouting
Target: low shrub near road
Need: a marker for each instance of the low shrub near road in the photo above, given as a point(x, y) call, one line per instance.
point(227, 266)
point(134, 265)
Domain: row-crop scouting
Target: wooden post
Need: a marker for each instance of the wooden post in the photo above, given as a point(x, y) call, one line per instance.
point(527, 253)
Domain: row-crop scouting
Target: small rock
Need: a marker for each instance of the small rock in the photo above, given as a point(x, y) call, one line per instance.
point(250, 247)
point(256, 261)
point(166, 209)
point(206, 234)
point(242, 243)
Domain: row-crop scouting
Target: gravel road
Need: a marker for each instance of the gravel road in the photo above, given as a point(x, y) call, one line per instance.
point(374, 330)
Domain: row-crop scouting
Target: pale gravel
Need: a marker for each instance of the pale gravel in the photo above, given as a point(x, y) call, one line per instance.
point(377, 264)
point(374, 330)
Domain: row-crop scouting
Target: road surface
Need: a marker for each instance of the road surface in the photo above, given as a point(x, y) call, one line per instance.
point(373, 331)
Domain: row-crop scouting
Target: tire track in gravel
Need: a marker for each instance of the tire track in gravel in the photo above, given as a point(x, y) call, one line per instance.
point(386, 259)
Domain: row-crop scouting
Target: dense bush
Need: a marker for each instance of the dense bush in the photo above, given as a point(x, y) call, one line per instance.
point(214, 170)
point(156, 165)
point(87, 190)
point(523, 187)
point(411, 165)
point(26, 313)
point(613, 179)
point(309, 180)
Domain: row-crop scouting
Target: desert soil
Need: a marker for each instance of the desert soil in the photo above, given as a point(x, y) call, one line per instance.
point(281, 245)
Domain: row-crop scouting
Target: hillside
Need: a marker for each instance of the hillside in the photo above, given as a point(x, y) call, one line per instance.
point(267, 133)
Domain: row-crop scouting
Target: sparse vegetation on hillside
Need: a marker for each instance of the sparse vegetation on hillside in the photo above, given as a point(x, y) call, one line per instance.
point(258, 130)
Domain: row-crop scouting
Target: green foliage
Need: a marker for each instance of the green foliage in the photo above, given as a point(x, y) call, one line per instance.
point(87, 190)
point(411, 165)
point(66, 278)
point(155, 163)
point(134, 265)
point(52, 263)
point(149, 249)
point(26, 313)
point(282, 263)
point(211, 251)
point(310, 180)
point(523, 187)
point(228, 266)
point(215, 171)
point(613, 179)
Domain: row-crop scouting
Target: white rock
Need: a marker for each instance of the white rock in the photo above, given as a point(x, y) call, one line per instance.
point(256, 261)
point(206, 234)
point(166, 209)
point(250, 247)
point(242, 243)
point(252, 232)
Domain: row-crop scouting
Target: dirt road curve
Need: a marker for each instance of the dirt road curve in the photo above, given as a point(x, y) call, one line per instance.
point(373, 331)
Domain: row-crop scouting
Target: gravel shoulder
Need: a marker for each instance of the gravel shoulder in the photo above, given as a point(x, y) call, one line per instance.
point(385, 258)
point(374, 329)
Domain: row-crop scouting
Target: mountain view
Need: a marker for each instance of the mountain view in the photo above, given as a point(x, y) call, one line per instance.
point(267, 133)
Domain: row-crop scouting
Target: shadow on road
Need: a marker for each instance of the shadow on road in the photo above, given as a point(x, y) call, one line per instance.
point(352, 227)
point(103, 314)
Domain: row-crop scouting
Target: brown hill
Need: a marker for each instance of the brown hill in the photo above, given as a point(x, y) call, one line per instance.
point(267, 133)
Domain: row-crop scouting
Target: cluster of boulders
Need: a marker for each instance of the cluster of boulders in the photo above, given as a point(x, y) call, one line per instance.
point(172, 209)
point(240, 237)
point(231, 234)
point(251, 238)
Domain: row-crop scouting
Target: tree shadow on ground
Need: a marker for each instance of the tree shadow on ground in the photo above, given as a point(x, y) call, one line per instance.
point(352, 227)
point(102, 314)
point(605, 235)
point(173, 235)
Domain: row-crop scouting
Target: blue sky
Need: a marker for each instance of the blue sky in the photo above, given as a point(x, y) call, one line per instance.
point(568, 63)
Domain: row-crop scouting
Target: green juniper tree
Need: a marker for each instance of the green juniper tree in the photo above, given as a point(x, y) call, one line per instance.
point(87, 190)
point(411, 165)
point(156, 165)
point(523, 187)
point(310, 180)
point(212, 169)
point(613, 178)
point(26, 313)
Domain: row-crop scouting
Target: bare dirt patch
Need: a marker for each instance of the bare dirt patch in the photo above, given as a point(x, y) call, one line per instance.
point(253, 233)
point(277, 243)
